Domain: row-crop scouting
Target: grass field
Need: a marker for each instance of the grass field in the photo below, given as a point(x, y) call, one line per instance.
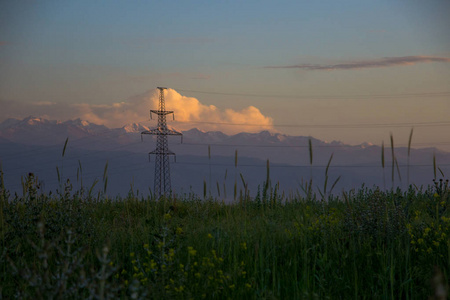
point(364, 244)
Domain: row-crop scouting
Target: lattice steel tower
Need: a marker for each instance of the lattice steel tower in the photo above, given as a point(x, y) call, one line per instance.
point(162, 185)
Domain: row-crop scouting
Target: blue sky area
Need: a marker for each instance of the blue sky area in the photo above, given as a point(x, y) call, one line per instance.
point(298, 62)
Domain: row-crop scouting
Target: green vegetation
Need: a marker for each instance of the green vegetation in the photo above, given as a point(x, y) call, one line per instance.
point(365, 244)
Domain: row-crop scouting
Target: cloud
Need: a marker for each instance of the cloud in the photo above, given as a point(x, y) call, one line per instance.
point(365, 64)
point(189, 113)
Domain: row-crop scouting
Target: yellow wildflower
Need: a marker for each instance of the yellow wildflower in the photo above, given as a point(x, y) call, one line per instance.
point(244, 246)
point(192, 251)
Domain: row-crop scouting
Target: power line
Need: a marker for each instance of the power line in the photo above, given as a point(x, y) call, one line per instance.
point(325, 97)
point(302, 146)
point(263, 165)
point(341, 126)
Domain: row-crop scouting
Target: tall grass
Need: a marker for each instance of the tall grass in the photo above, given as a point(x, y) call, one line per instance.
point(364, 244)
point(367, 244)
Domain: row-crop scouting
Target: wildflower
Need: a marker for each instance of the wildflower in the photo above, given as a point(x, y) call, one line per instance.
point(167, 217)
point(171, 252)
point(179, 230)
point(244, 246)
point(192, 251)
point(146, 246)
point(153, 264)
point(210, 236)
point(248, 285)
point(132, 254)
point(232, 286)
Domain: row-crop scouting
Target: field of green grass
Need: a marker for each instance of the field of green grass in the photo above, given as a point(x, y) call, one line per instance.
point(363, 244)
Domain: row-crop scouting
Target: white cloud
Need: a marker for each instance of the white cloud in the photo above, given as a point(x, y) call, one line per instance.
point(189, 113)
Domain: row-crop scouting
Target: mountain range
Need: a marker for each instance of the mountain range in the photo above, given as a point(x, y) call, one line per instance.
point(36, 145)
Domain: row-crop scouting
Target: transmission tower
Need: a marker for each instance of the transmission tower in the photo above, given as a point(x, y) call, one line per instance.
point(162, 185)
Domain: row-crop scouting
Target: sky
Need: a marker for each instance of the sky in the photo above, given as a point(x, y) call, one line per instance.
point(353, 71)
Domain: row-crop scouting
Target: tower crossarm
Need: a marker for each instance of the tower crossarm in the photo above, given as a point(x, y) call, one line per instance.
point(161, 131)
point(158, 151)
point(161, 113)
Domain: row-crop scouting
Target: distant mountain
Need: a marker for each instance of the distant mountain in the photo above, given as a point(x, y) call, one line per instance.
point(35, 144)
point(134, 128)
point(39, 131)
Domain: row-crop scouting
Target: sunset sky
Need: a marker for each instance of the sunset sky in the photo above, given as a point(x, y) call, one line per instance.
point(353, 71)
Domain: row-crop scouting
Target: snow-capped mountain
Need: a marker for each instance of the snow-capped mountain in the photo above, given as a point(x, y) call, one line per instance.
point(39, 131)
point(35, 144)
point(134, 128)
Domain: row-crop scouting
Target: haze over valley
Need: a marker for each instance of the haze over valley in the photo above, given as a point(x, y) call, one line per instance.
point(35, 145)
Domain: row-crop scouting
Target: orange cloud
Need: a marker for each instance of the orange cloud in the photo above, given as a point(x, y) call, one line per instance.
point(189, 113)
